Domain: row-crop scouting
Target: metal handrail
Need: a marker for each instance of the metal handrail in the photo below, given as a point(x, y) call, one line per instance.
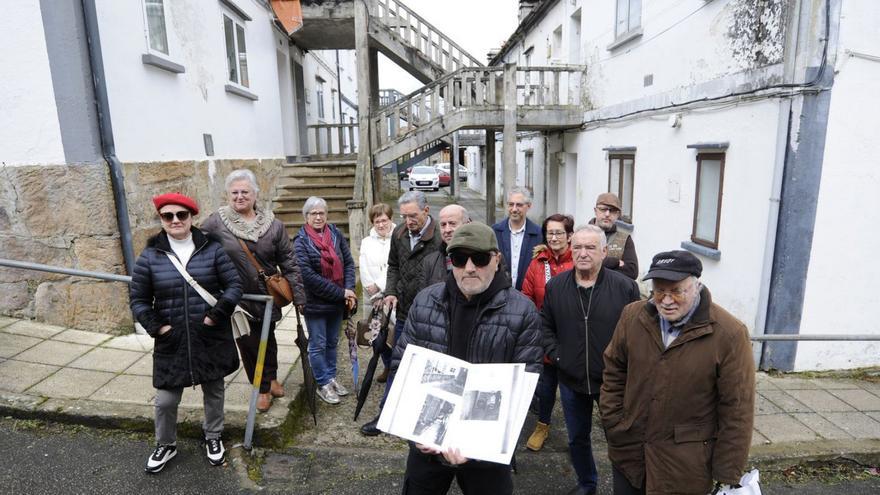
point(112, 277)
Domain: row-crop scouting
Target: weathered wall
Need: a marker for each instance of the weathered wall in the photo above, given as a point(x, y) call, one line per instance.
point(64, 216)
point(840, 296)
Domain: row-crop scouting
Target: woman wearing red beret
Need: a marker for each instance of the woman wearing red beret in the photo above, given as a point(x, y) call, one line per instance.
point(193, 340)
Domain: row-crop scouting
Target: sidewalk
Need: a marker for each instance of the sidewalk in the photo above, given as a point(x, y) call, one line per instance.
point(86, 377)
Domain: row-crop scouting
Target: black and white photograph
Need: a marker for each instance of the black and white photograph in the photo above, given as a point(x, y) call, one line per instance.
point(444, 376)
point(479, 405)
point(433, 418)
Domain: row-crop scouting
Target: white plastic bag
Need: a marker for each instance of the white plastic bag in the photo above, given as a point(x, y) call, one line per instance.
point(749, 485)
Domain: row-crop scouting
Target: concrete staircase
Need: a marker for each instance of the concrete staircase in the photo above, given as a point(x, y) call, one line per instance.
point(331, 179)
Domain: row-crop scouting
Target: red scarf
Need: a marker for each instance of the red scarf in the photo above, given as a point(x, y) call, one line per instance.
point(331, 266)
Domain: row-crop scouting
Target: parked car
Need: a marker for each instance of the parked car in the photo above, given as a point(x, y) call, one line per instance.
point(424, 178)
point(462, 170)
point(445, 178)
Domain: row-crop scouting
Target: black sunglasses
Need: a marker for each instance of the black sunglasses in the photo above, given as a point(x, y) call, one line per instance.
point(460, 258)
point(169, 216)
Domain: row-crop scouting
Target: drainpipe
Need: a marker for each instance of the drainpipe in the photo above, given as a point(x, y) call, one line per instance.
point(108, 146)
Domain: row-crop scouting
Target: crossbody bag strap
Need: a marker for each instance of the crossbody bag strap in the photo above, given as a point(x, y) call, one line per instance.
point(207, 296)
point(254, 261)
point(547, 274)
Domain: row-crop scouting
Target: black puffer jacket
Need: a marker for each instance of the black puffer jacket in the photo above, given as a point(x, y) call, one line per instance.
point(191, 352)
point(566, 338)
point(508, 328)
point(405, 265)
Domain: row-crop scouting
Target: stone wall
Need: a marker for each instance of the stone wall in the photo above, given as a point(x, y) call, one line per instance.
point(64, 215)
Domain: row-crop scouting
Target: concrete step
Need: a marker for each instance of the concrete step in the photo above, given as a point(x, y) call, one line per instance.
point(340, 180)
point(326, 166)
point(296, 201)
point(336, 215)
point(320, 190)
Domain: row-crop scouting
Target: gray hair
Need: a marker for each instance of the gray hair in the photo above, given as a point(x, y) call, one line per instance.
point(603, 241)
point(242, 174)
point(520, 190)
point(312, 203)
point(465, 216)
point(417, 197)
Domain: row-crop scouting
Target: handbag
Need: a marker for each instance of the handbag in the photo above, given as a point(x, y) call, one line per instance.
point(368, 329)
point(239, 320)
point(277, 286)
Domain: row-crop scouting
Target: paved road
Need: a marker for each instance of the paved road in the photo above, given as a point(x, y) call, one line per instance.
point(468, 198)
point(50, 459)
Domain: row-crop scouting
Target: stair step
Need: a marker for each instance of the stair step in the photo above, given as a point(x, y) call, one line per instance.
point(320, 182)
point(302, 197)
point(321, 163)
point(293, 209)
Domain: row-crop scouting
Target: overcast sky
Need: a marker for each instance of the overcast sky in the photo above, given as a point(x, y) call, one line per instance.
point(476, 25)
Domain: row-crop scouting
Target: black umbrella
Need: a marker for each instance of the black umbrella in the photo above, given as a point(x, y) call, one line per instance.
point(380, 319)
point(302, 342)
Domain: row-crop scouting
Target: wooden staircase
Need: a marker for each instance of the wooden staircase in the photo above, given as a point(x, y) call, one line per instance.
point(331, 179)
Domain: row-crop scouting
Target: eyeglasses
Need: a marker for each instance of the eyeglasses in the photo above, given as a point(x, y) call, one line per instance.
point(677, 294)
point(460, 258)
point(317, 213)
point(605, 209)
point(556, 234)
point(168, 216)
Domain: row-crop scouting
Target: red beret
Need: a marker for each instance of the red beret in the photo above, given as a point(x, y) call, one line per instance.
point(176, 199)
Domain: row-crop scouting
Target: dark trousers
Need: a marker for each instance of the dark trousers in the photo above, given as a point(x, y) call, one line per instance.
point(578, 411)
point(426, 475)
point(546, 393)
point(622, 485)
point(249, 347)
point(398, 329)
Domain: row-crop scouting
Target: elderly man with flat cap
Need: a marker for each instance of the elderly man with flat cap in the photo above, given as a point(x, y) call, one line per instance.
point(621, 255)
point(475, 315)
point(678, 392)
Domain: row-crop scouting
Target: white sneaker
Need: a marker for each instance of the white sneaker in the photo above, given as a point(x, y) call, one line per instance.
point(160, 456)
point(328, 394)
point(216, 452)
point(339, 389)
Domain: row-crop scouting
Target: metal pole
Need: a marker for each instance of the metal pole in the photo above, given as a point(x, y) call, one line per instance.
point(26, 265)
point(258, 376)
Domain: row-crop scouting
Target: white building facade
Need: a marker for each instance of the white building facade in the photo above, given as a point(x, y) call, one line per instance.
point(735, 129)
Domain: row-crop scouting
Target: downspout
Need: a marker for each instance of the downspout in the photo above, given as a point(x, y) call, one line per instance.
point(108, 146)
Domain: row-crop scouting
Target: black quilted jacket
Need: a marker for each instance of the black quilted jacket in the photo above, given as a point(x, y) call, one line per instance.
point(191, 352)
point(508, 329)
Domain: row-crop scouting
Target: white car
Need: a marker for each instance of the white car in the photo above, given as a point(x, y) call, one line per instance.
point(462, 170)
point(424, 178)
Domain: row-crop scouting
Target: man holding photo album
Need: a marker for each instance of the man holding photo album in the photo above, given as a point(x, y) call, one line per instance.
point(475, 315)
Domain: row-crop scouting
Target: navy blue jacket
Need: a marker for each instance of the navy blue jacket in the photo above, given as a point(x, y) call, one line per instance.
point(323, 297)
point(532, 238)
point(191, 352)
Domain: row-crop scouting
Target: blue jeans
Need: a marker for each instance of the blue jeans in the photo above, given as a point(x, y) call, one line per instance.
point(398, 329)
point(578, 411)
point(546, 393)
point(323, 337)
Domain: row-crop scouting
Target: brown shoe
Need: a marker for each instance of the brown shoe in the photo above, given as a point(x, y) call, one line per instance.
point(276, 389)
point(383, 377)
point(264, 402)
point(539, 436)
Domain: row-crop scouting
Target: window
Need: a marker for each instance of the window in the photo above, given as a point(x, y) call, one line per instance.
point(236, 51)
point(319, 88)
point(629, 17)
point(556, 45)
point(156, 33)
point(529, 168)
point(334, 99)
point(620, 182)
point(527, 56)
point(707, 204)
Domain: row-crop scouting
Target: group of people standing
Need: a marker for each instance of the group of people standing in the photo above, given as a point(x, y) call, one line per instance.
point(672, 375)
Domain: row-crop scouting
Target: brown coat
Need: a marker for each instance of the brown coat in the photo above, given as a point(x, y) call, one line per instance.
point(678, 418)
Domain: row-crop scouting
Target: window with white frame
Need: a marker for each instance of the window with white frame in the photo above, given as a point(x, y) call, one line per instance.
point(621, 169)
point(157, 36)
point(629, 17)
point(236, 51)
point(707, 203)
point(319, 96)
point(529, 170)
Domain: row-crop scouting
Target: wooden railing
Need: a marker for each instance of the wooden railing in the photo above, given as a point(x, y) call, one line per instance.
point(389, 96)
point(476, 88)
point(419, 34)
point(333, 139)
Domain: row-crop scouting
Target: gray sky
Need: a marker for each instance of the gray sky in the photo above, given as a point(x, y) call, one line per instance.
point(476, 25)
